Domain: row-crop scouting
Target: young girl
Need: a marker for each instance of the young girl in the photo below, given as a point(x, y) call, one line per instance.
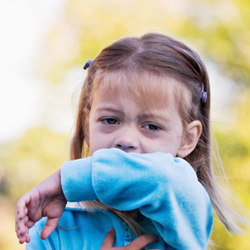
point(144, 118)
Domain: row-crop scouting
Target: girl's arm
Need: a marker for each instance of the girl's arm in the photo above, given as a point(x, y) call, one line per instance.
point(165, 189)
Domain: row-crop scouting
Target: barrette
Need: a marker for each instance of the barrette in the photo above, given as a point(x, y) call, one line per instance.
point(203, 94)
point(87, 64)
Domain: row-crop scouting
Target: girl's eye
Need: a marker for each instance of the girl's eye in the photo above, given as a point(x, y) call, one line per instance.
point(151, 127)
point(110, 121)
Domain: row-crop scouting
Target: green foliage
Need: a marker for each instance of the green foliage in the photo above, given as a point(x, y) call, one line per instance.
point(220, 29)
point(31, 159)
point(23, 164)
point(234, 146)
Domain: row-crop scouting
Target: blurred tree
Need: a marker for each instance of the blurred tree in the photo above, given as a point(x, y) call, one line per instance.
point(220, 29)
point(234, 146)
point(29, 160)
point(23, 164)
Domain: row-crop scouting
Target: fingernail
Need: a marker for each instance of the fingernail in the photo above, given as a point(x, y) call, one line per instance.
point(111, 229)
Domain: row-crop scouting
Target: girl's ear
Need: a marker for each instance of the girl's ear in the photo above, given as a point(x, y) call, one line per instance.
point(190, 139)
point(86, 125)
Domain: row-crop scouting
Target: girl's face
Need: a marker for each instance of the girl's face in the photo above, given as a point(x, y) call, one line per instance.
point(120, 121)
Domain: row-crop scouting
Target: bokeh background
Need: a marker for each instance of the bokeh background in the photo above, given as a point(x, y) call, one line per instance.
point(45, 44)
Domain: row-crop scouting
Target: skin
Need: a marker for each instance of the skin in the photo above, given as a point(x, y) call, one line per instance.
point(114, 121)
point(138, 243)
point(120, 121)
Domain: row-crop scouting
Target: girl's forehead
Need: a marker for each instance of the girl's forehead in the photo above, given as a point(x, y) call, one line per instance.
point(150, 91)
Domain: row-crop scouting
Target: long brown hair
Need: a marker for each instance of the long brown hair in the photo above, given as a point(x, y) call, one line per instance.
point(160, 56)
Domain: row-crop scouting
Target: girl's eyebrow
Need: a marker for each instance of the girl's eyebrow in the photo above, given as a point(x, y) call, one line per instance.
point(153, 116)
point(108, 108)
point(144, 116)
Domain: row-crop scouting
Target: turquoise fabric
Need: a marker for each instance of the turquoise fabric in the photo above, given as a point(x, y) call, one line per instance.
point(83, 230)
point(165, 189)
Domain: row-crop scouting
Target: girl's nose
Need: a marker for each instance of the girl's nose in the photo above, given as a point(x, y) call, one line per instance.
point(127, 140)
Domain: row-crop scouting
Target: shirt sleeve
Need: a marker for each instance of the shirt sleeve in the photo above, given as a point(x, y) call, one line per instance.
point(165, 189)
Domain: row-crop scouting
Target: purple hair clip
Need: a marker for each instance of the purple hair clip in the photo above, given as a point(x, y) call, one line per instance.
point(87, 64)
point(203, 94)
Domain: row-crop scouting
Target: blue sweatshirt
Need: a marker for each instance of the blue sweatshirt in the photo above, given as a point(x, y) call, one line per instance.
point(174, 205)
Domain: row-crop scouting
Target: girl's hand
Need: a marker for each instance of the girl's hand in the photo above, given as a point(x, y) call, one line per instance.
point(46, 199)
point(136, 244)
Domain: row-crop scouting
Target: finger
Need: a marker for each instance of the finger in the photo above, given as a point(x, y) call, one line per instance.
point(109, 239)
point(24, 238)
point(17, 221)
point(27, 236)
point(22, 226)
point(21, 206)
point(49, 227)
point(22, 230)
point(142, 241)
point(30, 224)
